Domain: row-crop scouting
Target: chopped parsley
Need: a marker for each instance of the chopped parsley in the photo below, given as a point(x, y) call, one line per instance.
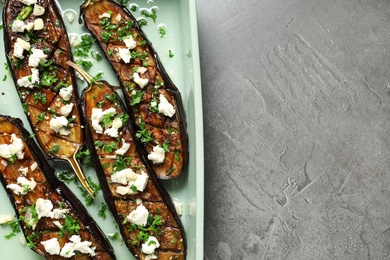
point(108, 147)
point(67, 176)
point(71, 226)
point(121, 162)
point(143, 134)
point(89, 200)
point(48, 79)
point(40, 117)
point(84, 47)
point(170, 53)
point(162, 30)
point(5, 78)
point(106, 36)
point(40, 97)
point(54, 149)
point(85, 64)
point(102, 210)
point(136, 98)
point(152, 14)
point(15, 228)
point(85, 157)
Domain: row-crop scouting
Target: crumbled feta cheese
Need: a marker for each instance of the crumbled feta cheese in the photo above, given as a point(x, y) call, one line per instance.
point(23, 186)
point(157, 155)
point(150, 245)
point(123, 190)
point(18, 26)
point(76, 244)
point(113, 130)
point(38, 10)
point(97, 116)
point(33, 166)
point(15, 188)
point(139, 216)
point(28, 2)
point(66, 110)
point(38, 24)
point(123, 176)
point(36, 57)
point(43, 208)
point(66, 93)
point(141, 181)
point(18, 51)
point(141, 70)
point(104, 15)
point(124, 54)
point(6, 218)
point(30, 80)
point(52, 246)
point(25, 45)
point(23, 170)
point(165, 108)
point(129, 41)
point(140, 81)
point(124, 148)
point(14, 148)
point(58, 224)
point(58, 124)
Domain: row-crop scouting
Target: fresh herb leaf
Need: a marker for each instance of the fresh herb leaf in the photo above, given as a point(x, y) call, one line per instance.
point(54, 149)
point(67, 177)
point(71, 226)
point(102, 211)
point(85, 64)
point(152, 14)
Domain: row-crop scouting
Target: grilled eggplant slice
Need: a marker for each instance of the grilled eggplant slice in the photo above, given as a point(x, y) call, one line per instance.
point(154, 102)
point(141, 207)
point(37, 49)
point(53, 220)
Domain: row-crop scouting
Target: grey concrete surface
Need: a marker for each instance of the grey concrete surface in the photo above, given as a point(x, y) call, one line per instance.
point(296, 121)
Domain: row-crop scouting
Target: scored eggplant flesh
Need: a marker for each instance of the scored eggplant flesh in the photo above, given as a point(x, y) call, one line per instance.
point(154, 102)
point(141, 207)
point(54, 222)
point(37, 49)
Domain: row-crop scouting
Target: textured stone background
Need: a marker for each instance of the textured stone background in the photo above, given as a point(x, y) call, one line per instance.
point(296, 121)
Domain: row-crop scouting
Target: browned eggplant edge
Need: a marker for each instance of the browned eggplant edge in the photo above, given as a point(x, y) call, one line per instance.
point(59, 187)
point(7, 47)
point(170, 86)
point(102, 178)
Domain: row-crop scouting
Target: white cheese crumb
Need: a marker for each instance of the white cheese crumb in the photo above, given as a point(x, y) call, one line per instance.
point(23, 170)
point(66, 93)
point(83, 247)
point(165, 108)
point(58, 124)
point(157, 155)
point(129, 41)
point(52, 246)
point(6, 218)
point(38, 10)
point(14, 148)
point(43, 208)
point(150, 245)
point(140, 81)
point(97, 116)
point(123, 176)
point(66, 110)
point(23, 186)
point(139, 216)
point(18, 26)
point(74, 41)
point(151, 256)
point(124, 148)
point(33, 166)
point(18, 51)
point(113, 130)
point(141, 181)
point(36, 57)
point(124, 54)
point(30, 80)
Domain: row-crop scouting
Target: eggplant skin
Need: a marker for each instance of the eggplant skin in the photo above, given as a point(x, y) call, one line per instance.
point(162, 129)
point(50, 188)
point(154, 197)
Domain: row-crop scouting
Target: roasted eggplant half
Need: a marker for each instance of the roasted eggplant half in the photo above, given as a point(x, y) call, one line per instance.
point(54, 222)
point(37, 49)
point(154, 102)
point(141, 207)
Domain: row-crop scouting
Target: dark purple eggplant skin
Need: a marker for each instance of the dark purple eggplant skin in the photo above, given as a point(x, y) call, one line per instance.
point(59, 188)
point(169, 87)
point(107, 194)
